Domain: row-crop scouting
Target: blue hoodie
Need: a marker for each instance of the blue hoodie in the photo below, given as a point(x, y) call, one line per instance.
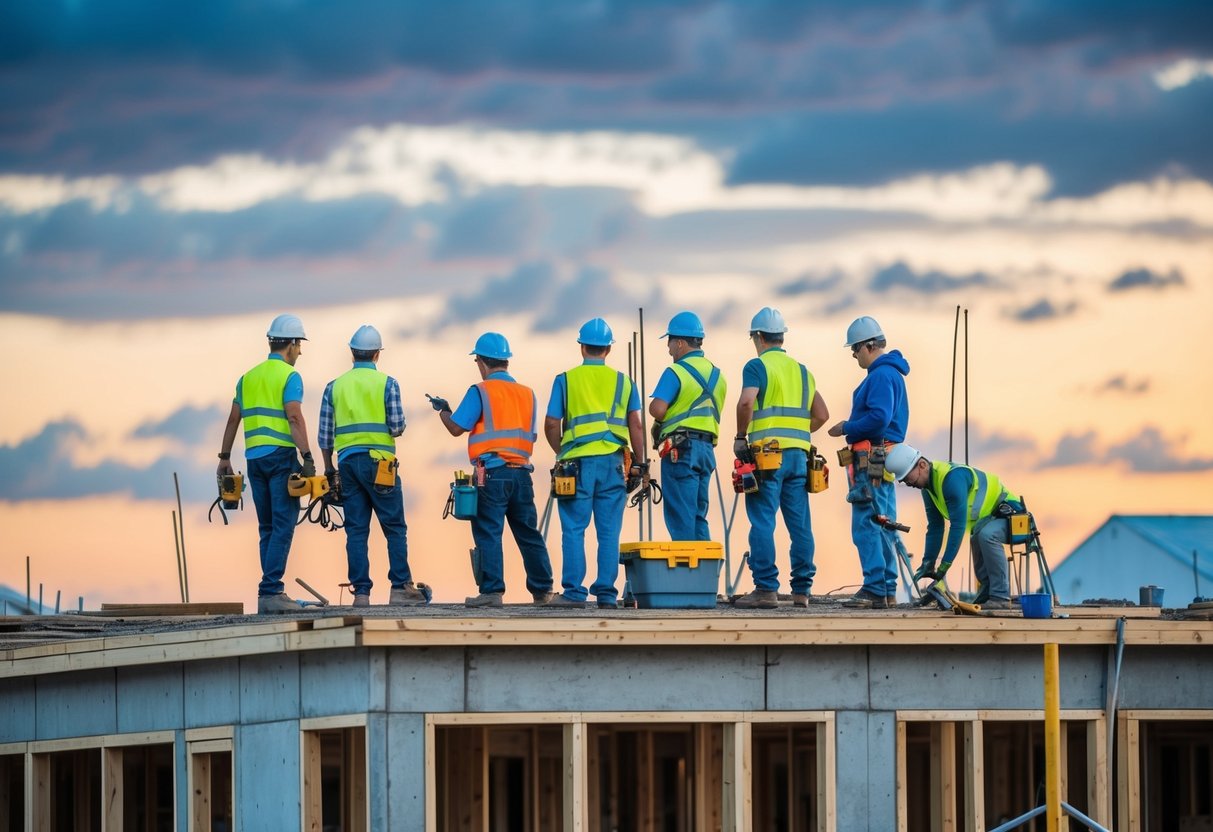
point(879, 407)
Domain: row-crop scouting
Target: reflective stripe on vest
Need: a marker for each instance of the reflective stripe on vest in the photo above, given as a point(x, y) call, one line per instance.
point(360, 411)
point(595, 411)
point(699, 400)
point(985, 493)
point(783, 409)
point(507, 422)
point(261, 405)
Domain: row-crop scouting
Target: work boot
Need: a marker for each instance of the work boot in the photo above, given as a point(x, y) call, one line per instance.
point(997, 604)
point(608, 604)
point(890, 601)
point(407, 595)
point(362, 599)
point(758, 599)
point(561, 600)
point(864, 600)
point(800, 599)
point(274, 604)
point(484, 599)
point(541, 598)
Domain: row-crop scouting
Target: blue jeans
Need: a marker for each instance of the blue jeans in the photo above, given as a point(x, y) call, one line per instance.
point(877, 555)
point(601, 492)
point(509, 494)
point(277, 512)
point(989, 558)
point(685, 490)
point(784, 491)
point(359, 495)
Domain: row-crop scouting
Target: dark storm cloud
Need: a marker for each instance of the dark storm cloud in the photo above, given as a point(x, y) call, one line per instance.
point(188, 424)
point(900, 276)
point(1042, 310)
point(1146, 279)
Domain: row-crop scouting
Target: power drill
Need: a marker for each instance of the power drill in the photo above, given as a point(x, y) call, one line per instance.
point(745, 473)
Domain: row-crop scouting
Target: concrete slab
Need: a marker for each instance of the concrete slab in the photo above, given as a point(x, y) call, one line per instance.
point(1161, 677)
point(269, 688)
point(268, 778)
point(17, 703)
point(80, 704)
point(817, 678)
point(334, 682)
point(405, 776)
point(425, 679)
point(851, 770)
point(212, 693)
point(151, 698)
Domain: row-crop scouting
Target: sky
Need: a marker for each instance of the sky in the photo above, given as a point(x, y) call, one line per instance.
point(171, 178)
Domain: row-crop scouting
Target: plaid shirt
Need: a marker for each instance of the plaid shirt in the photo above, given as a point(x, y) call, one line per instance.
point(391, 401)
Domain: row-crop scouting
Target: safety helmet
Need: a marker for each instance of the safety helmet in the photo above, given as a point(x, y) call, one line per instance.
point(367, 338)
point(768, 320)
point(901, 459)
point(684, 325)
point(492, 345)
point(862, 329)
point(595, 333)
point(286, 327)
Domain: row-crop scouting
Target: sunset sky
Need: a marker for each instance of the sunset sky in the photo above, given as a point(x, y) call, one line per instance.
point(173, 176)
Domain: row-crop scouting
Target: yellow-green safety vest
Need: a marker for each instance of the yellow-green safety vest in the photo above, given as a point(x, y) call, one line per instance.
point(595, 411)
point(985, 493)
point(782, 410)
point(701, 392)
point(359, 411)
point(261, 405)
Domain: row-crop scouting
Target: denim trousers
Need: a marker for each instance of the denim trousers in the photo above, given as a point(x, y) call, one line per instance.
point(785, 492)
point(877, 555)
point(277, 512)
point(508, 495)
point(359, 496)
point(684, 487)
point(601, 493)
point(989, 556)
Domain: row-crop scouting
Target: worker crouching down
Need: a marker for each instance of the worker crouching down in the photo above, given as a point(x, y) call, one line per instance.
point(969, 500)
point(499, 417)
point(360, 417)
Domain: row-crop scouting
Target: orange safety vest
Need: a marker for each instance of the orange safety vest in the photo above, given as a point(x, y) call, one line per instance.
point(507, 422)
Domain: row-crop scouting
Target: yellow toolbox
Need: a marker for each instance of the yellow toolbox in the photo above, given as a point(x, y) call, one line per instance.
point(682, 574)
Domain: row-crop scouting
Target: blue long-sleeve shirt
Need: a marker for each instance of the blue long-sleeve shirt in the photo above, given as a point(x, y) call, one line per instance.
point(394, 410)
point(880, 409)
point(955, 487)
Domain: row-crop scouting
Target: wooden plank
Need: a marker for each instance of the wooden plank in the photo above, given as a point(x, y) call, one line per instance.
point(827, 777)
point(200, 791)
point(1128, 770)
point(1097, 772)
point(313, 809)
point(38, 793)
point(975, 777)
point(576, 810)
point(164, 610)
point(902, 773)
point(355, 780)
point(737, 797)
point(431, 776)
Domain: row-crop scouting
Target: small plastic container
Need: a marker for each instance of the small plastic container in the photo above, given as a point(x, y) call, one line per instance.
point(1036, 605)
point(1150, 596)
point(677, 575)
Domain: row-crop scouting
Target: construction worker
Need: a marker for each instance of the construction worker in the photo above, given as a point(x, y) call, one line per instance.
point(686, 405)
point(779, 402)
point(880, 414)
point(951, 491)
point(499, 417)
point(593, 414)
point(360, 418)
point(268, 399)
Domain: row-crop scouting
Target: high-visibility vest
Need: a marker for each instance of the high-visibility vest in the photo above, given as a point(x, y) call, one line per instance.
point(595, 411)
point(360, 412)
point(985, 493)
point(261, 405)
point(700, 397)
point(507, 422)
point(783, 408)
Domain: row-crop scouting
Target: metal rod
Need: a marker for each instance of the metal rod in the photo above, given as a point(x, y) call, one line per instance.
point(177, 543)
point(952, 404)
point(1019, 821)
point(1195, 573)
point(81, 603)
point(185, 570)
point(966, 387)
point(632, 378)
point(29, 603)
point(40, 607)
point(58, 592)
point(644, 421)
point(1074, 813)
point(1052, 739)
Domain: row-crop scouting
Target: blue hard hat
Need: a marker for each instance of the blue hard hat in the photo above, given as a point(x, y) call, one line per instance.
point(595, 333)
point(492, 345)
point(768, 320)
point(684, 325)
point(286, 327)
point(862, 329)
point(367, 338)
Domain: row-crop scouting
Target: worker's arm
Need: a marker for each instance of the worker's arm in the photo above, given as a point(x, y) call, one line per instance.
point(449, 423)
point(934, 539)
point(229, 438)
point(745, 409)
point(871, 416)
point(327, 455)
point(658, 408)
point(818, 412)
point(466, 415)
point(552, 432)
point(393, 408)
point(294, 416)
point(956, 487)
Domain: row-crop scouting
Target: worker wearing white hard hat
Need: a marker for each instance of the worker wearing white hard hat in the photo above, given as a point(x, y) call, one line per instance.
point(880, 415)
point(268, 400)
point(779, 402)
point(360, 417)
point(971, 503)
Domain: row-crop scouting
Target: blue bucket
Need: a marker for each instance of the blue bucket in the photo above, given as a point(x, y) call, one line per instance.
point(1037, 605)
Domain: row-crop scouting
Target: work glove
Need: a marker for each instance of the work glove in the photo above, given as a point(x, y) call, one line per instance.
point(331, 475)
point(930, 570)
point(439, 404)
point(638, 475)
point(309, 465)
point(741, 448)
point(655, 432)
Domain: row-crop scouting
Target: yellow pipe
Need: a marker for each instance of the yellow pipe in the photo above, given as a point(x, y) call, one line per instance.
point(1052, 740)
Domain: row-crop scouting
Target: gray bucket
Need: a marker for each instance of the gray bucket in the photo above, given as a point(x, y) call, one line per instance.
point(1150, 596)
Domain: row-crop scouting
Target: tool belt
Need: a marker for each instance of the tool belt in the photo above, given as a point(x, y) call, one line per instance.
point(675, 444)
point(818, 479)
point(462, 502)
point(564, 478)
point(768, 457)
point(1020, 523)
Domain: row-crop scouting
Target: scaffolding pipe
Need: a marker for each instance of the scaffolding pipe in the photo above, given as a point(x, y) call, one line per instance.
point(1052, 740)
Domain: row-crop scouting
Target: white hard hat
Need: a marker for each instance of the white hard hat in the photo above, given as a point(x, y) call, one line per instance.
point(862, 329)
point(768, 320)
point(367, 338)
point(286, 327)
point(900, 460)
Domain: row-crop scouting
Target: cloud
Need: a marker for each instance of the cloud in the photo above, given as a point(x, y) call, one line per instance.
point(982, 443)
point(811, 284)
point(1042, 310)
point(188, 424)
point(1122, 384)
point(595, 293)
point(511, 293)
point(1152, 453)
point(1073, 449)
point(900, 276)
point(1146, 279)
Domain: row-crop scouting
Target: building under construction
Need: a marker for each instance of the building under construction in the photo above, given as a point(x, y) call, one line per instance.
point(539, 719)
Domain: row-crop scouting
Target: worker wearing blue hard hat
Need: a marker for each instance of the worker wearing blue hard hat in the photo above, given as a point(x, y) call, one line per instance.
point(360, 417)
point(592, 415)
point(499, 417)
point(779, 404)
point(268, 400)
point(686, 408)
point(880, 416)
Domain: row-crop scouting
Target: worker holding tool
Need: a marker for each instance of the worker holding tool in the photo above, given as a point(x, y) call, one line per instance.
point(880, 415)
point(779, 403)
point(499, 416)
point(360, 418)
point(950, 492)
point(686, 406)
point(268, 399)
point(592, 416)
